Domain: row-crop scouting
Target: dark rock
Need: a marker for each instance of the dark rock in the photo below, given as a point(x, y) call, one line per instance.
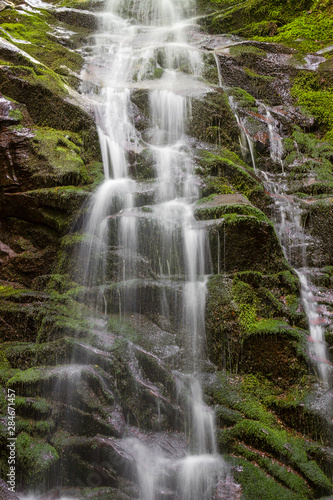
point(76, 17)
point(5, 494)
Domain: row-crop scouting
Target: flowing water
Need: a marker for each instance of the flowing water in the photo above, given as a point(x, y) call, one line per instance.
point(287, 218)
point(288, 223)
point(141, 53)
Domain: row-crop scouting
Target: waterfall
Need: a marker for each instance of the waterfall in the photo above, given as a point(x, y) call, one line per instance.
point(294, 242)
point(290, 231)
point(142, 46)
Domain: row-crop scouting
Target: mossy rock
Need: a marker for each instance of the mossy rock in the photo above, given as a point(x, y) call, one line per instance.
point(258, 484)
point(241, 179)
point(319, 221)
point(20, 322)
point(276, 350)
point(278, 442)
point(27, 355)
point(211, 120)
point(239, 323)
point(242, 98)
point(249, 73)
point(216, 206)
point(36, 462)
point(26, 86)
point(245, 242)
point(253, 435)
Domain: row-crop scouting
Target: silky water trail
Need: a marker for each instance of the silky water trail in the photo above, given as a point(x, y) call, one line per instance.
point(141, 49)
point(287, 219)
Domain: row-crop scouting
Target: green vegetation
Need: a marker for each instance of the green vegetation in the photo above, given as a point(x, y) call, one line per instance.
point(42, 46)
point(60, 152)
point(315, 94)
point(207, 212)
point(36, 461)
point(262, 447)
point(308, 21)
point(235, 173)
point(312, 159)
point(243, 98)
point(79, 381)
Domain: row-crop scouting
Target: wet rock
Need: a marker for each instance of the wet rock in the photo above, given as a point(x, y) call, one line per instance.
point(211, 120)
point(5, 494)
point(225, 170)
point(249, 70)
point(243, 242)
point(319, 221)
point(224, 199)
point(76, 17)
point(6, 5)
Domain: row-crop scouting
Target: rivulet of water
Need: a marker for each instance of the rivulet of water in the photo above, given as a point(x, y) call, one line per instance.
point(288, 224)
point(142, 46)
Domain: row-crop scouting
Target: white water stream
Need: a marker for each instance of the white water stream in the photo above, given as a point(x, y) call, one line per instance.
point(142, 46)
point(288, 224)
point(290, 231)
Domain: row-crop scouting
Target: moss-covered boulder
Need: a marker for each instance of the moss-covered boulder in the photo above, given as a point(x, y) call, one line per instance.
point(241, 237)
point(224, 168)
point(36, 462)
point(253, 321)
point(269, 460)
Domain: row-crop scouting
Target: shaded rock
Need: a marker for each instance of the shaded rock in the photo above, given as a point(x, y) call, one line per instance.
point(76, 17)
point(211, 120)
point(5, 494)
point(319, 222)
point(232, 172)
point(243, 242)
point(249, 68)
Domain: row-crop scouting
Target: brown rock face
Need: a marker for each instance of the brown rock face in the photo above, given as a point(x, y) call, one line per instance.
point(14, 146)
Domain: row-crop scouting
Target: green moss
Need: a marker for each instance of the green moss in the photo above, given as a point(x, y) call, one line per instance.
point(26, 355)
point(36, 461)
point(289, 449)
point(217, 212)
point(315, 96)
point(232, 156)
point(7, 291)
point(247, 302)
point(61, 153)
point(261, 429)
point(35, 429)
point(236, 174)
point(243, 98)
point(216, 185)
point(306, 25)
point(312, 29)
point(253, 431)
point(256, 76)
point(30, 376)
point(15, 114)
point(122, 328)
point(238, 50)
point(42, 46)
point(258, 485)
point(313, 159)
point(4, 363)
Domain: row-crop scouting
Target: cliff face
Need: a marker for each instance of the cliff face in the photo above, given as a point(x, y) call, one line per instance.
point(273, 419)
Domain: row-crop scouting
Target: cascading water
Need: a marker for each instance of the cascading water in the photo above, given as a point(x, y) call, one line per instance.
point(291, 233)
point(151, 54)
point(294, 243)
